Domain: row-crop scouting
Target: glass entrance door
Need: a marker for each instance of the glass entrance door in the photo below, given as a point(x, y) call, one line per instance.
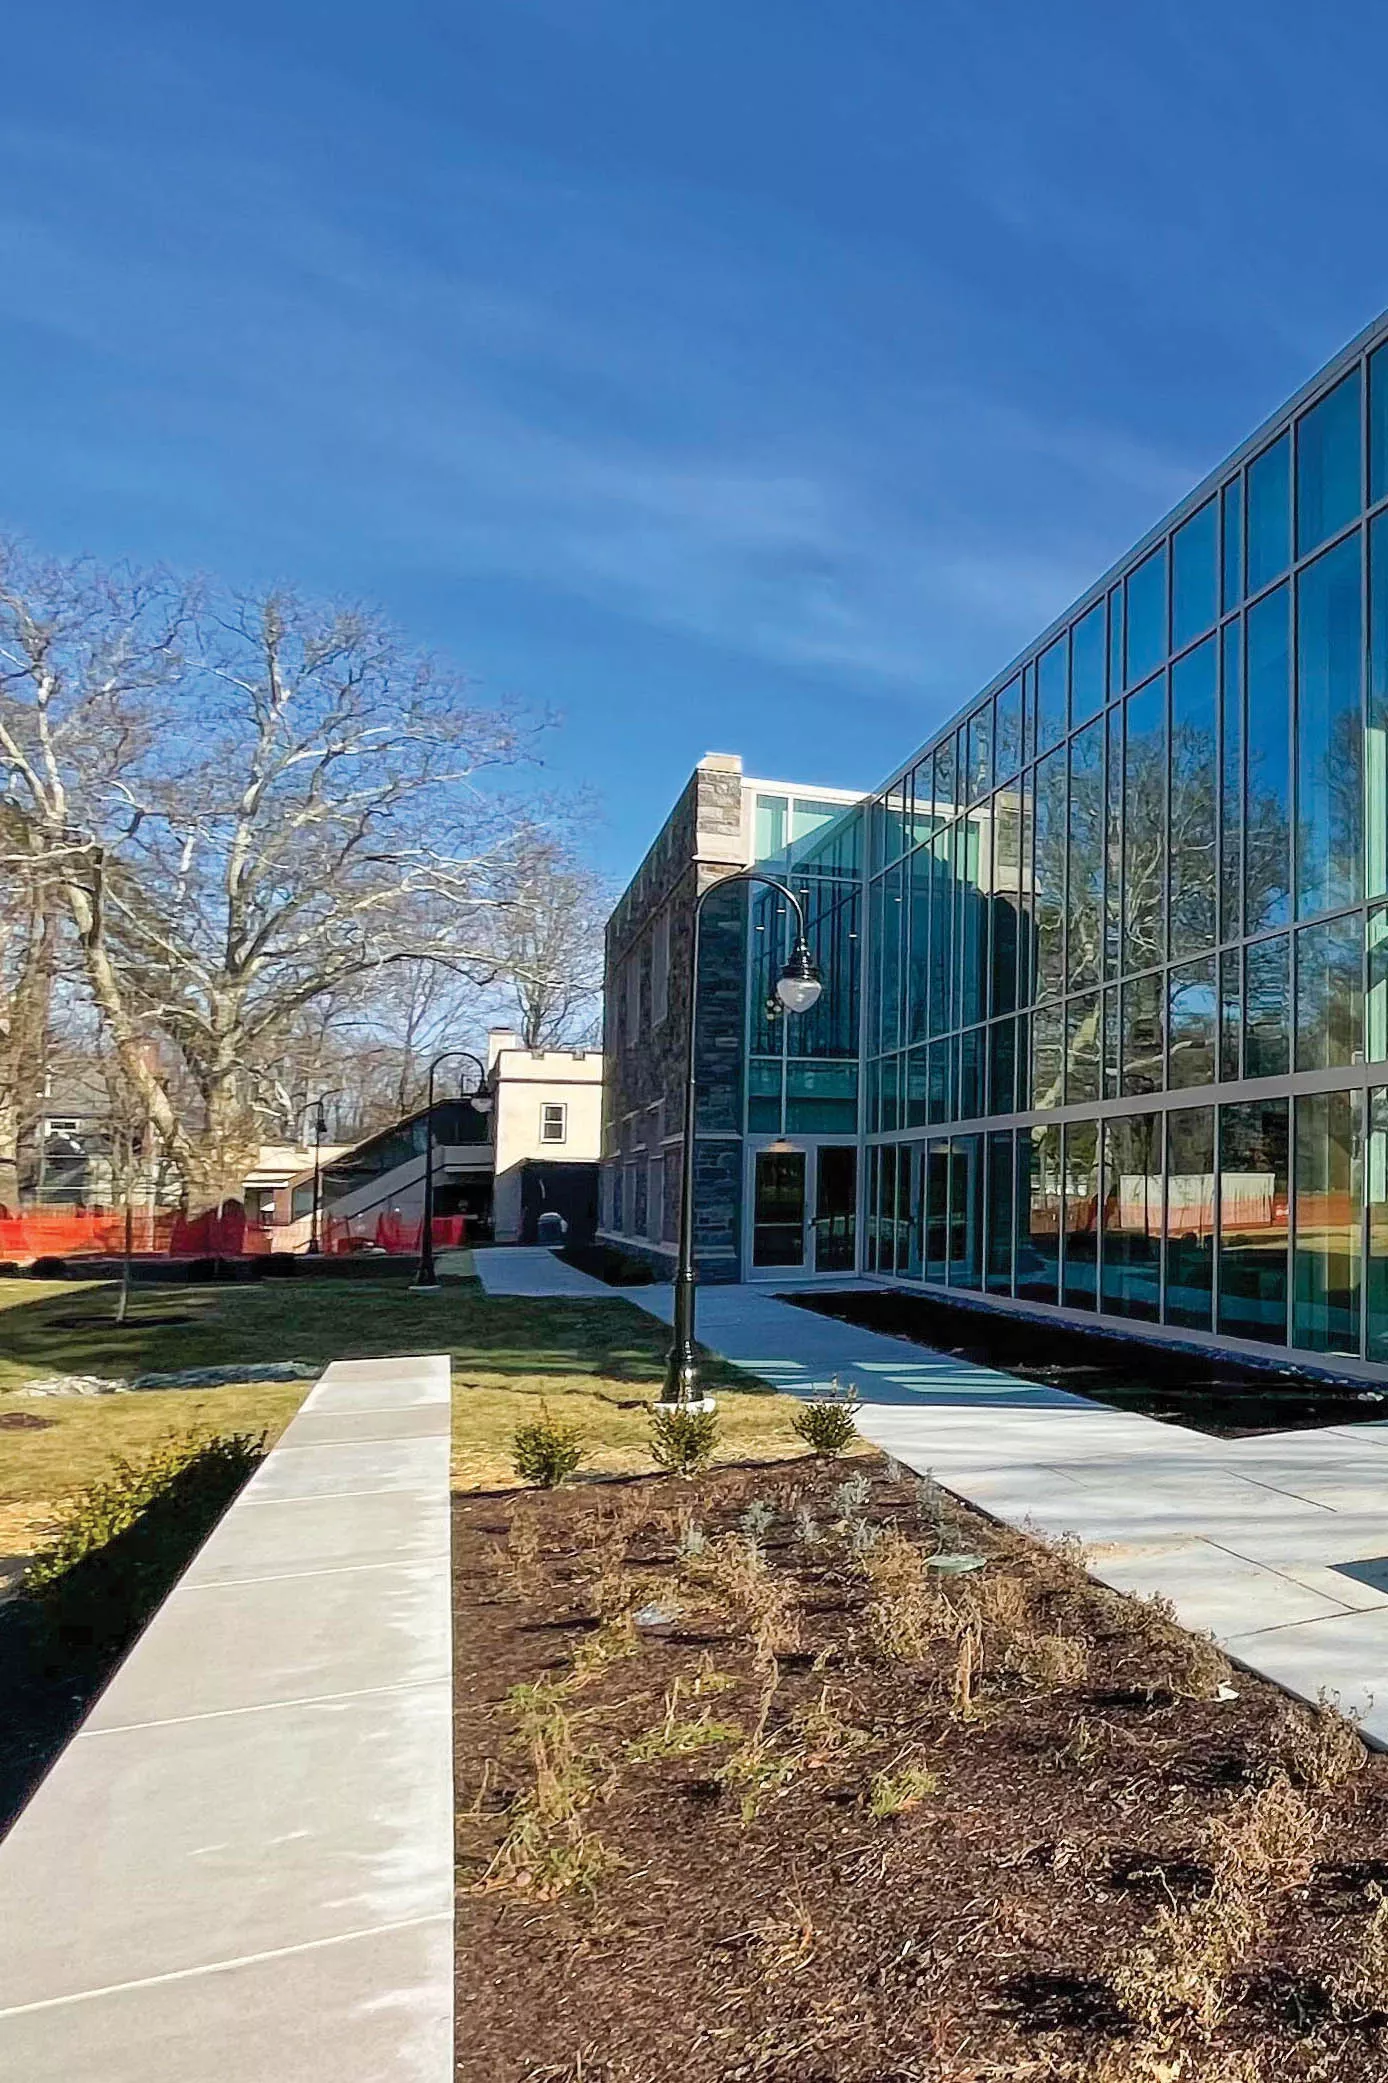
point(835, 1209)
point(778, 1210)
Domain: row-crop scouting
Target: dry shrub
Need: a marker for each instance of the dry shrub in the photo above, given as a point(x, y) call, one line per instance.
point(522, 1554)
point(676, 1737)
point(1318, 1747)
point(1182, 1965)
point(548, 1849)
point(1001, 1603)
point(1262, 1845)
point(968, 1668)
point(1131, 2062)
point(907, 1611)
point(1266, 1842)
point(786, 1942)
point(1360, 1983)
point(1189, 1664)
point(823, 1730)
point(736, 1573)
point(760, 1769)
point(1051, 1661)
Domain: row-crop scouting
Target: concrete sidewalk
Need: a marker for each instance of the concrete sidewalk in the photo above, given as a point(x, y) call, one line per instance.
point(241, 1867)
point(532, 1269)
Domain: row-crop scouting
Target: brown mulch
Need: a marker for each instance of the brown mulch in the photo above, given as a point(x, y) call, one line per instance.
point(980, 1932)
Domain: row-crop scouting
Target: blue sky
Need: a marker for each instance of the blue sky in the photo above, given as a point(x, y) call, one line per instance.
point(752, 377)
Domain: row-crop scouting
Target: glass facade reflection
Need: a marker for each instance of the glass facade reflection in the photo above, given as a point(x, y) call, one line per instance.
point(1125, 1019)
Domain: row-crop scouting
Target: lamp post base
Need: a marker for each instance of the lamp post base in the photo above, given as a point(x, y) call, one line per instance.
point(698, 1406)
point(425, 1287)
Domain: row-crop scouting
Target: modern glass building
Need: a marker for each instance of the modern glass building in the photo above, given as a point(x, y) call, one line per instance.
point(1106, 1032)
point(1125, 1031)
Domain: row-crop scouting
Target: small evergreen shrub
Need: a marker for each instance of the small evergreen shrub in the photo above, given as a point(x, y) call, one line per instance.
point(829, 1425)
point(48, 1269)
point(545, 1452)
point(682, 1441)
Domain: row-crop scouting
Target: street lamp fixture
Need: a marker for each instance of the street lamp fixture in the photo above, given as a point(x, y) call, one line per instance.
point(425, 1281)
point(798, 989)
point(320, 1130)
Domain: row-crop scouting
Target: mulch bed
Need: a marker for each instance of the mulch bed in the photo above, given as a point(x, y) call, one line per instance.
point(1179, 1384)
point(736, 1912)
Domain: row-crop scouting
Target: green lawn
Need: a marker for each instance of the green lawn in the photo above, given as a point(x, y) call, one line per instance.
point(586, 1359)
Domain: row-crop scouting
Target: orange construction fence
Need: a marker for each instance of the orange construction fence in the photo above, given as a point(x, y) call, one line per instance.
point(217, 1233)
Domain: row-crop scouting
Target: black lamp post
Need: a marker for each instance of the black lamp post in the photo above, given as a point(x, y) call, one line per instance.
point(797, 989)
point(320, 1129)
point(426, 1280)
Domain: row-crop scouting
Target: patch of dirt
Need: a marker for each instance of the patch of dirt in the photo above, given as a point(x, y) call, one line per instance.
point(1179, 1385)
point(25, 1421)
point(107, 1322)
point(777, 1803)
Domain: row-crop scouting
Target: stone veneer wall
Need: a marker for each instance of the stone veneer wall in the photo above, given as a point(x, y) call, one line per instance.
point(644, 1085)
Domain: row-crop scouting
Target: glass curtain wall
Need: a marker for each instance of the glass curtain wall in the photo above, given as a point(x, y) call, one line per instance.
point(1128, 921)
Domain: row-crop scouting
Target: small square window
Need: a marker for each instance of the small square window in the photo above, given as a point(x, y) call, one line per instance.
point(553, 1122)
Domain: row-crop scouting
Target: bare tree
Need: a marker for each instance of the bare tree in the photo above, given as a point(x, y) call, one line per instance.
point(549, 949)
point(244, 807)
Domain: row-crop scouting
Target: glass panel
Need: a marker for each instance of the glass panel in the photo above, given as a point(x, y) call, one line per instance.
point(908, 1226)
point(1328, 465)
point(1047, 1049)
point(920, 888)
point(1378, 425)
point(917, 1087)
point(1230, 1013)
point(966, 1211)
point(1195, 576)
point(1192, 1024)
point(1267, 1009)
point(1038, 1214)
point(1329, 1213)
point(1115, 642)
point(1007, 731)
point(821, 1098)
point(936, 1206)
point(1002, 1057)
point(941, 928)
point(1113, 845)
point(1267, 866)
point(892, 905)
point(1006, 900)
point(1376, 1185)
point(1190, 1217)
point(769, 826)
point(1144, 827)
point(1050, 695)
point(1080, 1286)
point(763, 1096)
point(1231, 784)
point(980, 771)
point(1376, 1001)
point(1253, 1221)
point(1132, 1216)
point(778, 1218)
point(973, 866)
point(998, 1261)
point(1028, 712)
point(1194, 786)
point(1329, 981)
point(1143, 1034)
point(1085, 916)
point(1232, 558)
point(835, 1211)
point(1050, 875)
point(940, 1099)
point(971, 1051)
point(1111, 1060)
point(1328, 726)
point(1026, 951)
point(1087, 665)
point(1269, 515)
point(1082, 1050)
point(1147, 615)
point(944, 796)
point(889, 1094)
point(1376, 719)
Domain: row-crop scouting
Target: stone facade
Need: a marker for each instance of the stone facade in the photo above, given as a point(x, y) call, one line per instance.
point(646, 1031)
